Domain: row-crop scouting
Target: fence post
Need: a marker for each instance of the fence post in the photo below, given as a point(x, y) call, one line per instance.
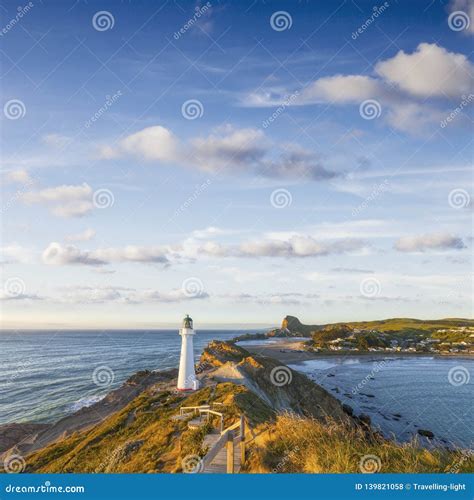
point(242, 439)
point(230, 452)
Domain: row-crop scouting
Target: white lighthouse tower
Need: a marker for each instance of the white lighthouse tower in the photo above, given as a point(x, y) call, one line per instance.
point(187, 380)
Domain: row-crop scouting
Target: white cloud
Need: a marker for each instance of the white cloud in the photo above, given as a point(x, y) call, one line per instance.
point(123, 295)
point(20, 176)
point(227, 150)
point(299, 246)
point(153, 143)
point(4, 296)
point(429, 71)
point(86, 235)
point(234, 148)
point(401, 85)
point(15, 254)
point(341, 89)
point(434, 241)
point(63, 201)
point(132, 253)
point(58, 255)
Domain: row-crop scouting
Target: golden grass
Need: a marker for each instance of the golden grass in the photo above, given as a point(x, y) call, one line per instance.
point(298, 444)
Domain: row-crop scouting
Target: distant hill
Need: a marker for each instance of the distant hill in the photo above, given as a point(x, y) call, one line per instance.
point(453, 327)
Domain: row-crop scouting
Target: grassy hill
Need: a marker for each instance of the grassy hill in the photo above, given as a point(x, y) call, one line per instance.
point(457, 329)
point(297, 427)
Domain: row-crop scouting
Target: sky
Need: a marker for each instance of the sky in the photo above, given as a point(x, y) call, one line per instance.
point(237, 161)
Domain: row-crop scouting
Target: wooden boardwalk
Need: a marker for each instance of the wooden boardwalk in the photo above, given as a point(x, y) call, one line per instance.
point(219, 463)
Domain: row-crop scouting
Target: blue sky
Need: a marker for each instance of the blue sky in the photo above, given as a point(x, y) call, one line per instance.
point(237, 161)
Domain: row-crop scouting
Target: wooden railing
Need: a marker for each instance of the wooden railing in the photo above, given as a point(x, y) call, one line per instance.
point(195, 409)
point(227, 439)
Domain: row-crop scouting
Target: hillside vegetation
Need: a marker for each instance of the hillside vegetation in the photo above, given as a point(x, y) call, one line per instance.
point(296, 444)
point(296, 427)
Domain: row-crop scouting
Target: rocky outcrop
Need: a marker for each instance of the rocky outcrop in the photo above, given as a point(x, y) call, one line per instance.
point(11, 434)
point(294, 326)
point(277, 385)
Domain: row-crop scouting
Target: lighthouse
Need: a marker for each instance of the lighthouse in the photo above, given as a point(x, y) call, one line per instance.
point(187, 380)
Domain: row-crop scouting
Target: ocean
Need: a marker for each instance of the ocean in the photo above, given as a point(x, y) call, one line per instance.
point(45, 375)
point(402, 394)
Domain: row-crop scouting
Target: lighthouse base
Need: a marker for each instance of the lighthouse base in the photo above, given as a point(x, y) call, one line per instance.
point(195, 387)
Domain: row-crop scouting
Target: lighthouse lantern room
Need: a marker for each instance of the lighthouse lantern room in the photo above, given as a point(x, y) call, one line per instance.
point(187, 380)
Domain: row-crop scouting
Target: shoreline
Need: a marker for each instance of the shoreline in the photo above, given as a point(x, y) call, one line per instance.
point(292, 352)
